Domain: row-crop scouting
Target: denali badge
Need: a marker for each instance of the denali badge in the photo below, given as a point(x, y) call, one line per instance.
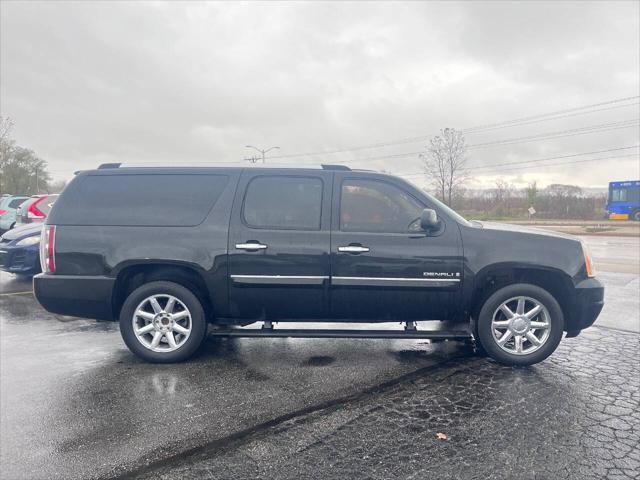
point(441, 274)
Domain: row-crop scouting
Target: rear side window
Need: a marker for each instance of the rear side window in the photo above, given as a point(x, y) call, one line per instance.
point(139, 200)
point(16, 203)
point(285, 203)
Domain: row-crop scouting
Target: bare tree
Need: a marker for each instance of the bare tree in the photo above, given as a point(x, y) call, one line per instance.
point(561, 190)
point(6, 147)
point(444, 162)
point(502, 195)
point(6, 125)
point(502, 191)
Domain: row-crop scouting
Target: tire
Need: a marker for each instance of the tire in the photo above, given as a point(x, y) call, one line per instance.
point(184, 321)
point(548, 319)
point(636, 216)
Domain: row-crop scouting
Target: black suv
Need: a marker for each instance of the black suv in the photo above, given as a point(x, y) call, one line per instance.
point(167, 250)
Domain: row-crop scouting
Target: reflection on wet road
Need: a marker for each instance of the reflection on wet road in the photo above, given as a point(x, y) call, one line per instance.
point(76, 404)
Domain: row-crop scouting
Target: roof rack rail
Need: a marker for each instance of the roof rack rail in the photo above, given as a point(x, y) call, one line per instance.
point(335, 167)
point(109, 165)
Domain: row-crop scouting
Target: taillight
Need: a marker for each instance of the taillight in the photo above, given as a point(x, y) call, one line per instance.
point(33, 212)
point(47, 249)
point(2, 212)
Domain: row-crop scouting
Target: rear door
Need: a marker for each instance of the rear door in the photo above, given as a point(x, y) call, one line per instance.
point(279, 244)
point(383, 266)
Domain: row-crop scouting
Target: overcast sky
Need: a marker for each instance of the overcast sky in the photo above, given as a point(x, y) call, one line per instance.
point(93, 82)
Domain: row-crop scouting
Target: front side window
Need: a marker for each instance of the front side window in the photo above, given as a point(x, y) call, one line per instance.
point(283, 203)
point(378, 207)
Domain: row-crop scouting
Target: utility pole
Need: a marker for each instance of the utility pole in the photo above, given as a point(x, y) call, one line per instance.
point(263, 152)
point(37, 184)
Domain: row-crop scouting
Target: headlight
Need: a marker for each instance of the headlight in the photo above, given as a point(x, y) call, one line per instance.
point(587, 260)
point(25, 242)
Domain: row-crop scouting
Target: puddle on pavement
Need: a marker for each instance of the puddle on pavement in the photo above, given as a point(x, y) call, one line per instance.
point(318, 361)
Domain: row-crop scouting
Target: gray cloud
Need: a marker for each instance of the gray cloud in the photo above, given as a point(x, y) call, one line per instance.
point(94, 82)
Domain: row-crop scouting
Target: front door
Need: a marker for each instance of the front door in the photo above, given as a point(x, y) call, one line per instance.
point(383, 266)
point(279, 243)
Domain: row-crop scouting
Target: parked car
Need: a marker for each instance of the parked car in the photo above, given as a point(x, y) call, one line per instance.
point(19, 250)
point(8, 207)
point(166, 250)
point(35, 209)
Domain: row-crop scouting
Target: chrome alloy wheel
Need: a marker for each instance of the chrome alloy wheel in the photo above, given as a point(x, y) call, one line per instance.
point(521, 325)
point(162, 323)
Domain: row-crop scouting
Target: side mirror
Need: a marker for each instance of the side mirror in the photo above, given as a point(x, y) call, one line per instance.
point(429, 219)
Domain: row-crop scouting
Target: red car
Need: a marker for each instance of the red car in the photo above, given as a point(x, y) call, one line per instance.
point(35, 209)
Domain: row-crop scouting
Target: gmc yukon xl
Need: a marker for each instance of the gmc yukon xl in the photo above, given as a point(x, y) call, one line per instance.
point(168, 250)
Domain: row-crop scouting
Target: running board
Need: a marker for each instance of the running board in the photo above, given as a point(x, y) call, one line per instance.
point(326, 333)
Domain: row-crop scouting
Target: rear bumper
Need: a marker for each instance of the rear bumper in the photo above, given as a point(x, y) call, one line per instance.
point(78, 296)
point(588, 305)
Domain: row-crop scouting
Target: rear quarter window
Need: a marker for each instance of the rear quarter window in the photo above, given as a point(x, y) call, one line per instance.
point(16, 203)
point(138, 200)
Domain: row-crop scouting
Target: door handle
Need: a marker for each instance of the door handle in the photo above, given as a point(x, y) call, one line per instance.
point(353, 249)
point(250, 246)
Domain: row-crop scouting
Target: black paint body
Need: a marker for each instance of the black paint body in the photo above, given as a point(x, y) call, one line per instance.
point(438, 275)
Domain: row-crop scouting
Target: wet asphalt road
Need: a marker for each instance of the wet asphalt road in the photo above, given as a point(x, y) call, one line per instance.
point(74, 403)
point(575, 416)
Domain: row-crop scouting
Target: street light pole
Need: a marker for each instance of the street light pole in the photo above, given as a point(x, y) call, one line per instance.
point(263, 152)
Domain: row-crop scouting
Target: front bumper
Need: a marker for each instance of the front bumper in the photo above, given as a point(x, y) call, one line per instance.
point(19, 259)
point(588, 305)
point(77, 296)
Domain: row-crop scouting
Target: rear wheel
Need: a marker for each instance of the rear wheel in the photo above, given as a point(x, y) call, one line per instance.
point(636, 215)
point(162, 322)
point(520, 324)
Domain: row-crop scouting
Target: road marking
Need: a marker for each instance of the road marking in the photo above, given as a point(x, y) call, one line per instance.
point(15, 293)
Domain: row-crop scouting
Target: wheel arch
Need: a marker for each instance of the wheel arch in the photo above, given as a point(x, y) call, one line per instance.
point(133, 275)
point(495, 277)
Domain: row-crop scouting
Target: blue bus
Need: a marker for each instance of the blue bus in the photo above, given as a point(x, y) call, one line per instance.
point(623, 202)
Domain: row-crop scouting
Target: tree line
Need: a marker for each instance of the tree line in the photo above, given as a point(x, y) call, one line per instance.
point(21, 170)
point(444, 163)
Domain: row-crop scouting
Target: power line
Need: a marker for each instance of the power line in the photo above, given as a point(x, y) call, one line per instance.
point(566, 110)
point(568, 163)
point(533, 161)
point(548, 119)
point(468, 130)
point(562, 133)
point(551, 158)
point(486, 127)
point(605, 127)
point(532, 166)
point(544, 136)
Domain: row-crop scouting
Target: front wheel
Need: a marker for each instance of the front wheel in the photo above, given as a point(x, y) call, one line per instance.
point(520, 324)
point(162, 322)
point(636, 216)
